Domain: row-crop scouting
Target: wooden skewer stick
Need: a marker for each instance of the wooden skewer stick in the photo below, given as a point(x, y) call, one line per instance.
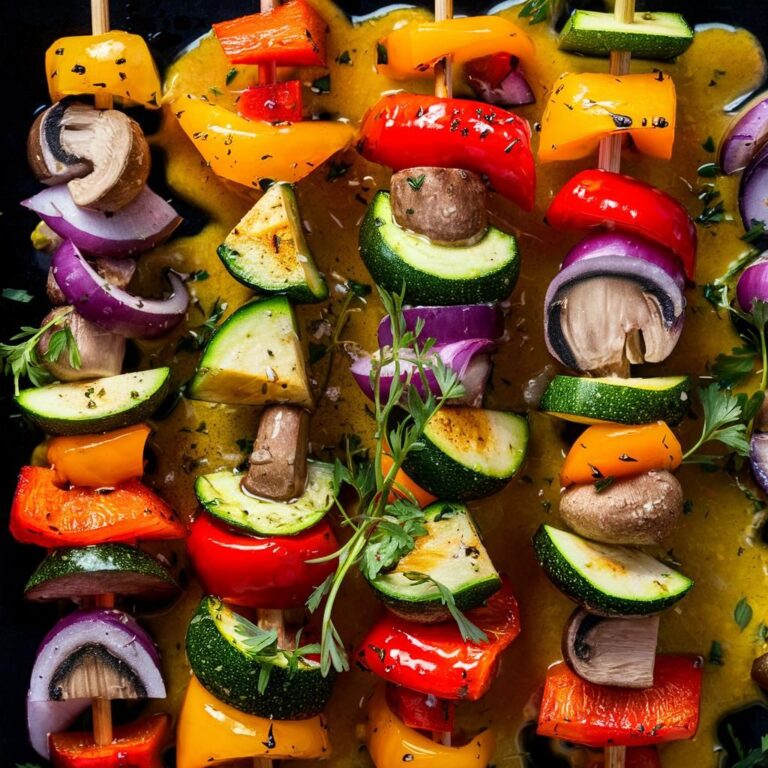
point(444, 68)
point(267, 72)
point(100, 25)
point(101, 709)
point(615, 757)
point(610, 146)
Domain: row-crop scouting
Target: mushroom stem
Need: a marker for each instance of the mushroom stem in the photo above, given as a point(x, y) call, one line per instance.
point(615, 757)
point(100, 25)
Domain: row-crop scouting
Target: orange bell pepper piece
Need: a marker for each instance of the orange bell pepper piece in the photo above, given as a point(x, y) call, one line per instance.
point(413, 50)
point(248, 151)
point(116, 63)
point(290, 35)
point(138, 744)
point(584, 108)
point(613, 450)
point(390, 742)
point(49, 516)
point(99, 461)
point(210, 732)
point(404, 485)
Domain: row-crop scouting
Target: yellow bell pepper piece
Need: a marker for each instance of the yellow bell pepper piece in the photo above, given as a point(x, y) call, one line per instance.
point(248, 151)
point(583, 108)
point(392, 744)
point(211, 732)
point(116, 64)
point(414, 49)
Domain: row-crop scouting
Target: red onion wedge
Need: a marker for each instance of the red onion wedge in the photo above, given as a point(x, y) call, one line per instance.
point(629, 246)
point(758, 458)
point(449, 324)
point(605, 312)
point(744, 136)
point(469, 359)
point(497, 79)
point(59, 687)
point(753, 191)
point(113, 308)
point(141, 225)
point(753, 283)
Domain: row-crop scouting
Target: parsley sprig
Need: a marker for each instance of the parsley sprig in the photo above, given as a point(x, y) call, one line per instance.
point(535, 11)
point(383, 532)
point(24, 359)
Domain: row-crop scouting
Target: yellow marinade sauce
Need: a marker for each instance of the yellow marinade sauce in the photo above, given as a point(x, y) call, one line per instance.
point(715, 543)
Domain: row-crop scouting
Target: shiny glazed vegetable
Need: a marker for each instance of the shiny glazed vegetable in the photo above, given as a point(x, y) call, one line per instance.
point(272, 102)
point(422, 711)
point(407, 130)
point(99, 461)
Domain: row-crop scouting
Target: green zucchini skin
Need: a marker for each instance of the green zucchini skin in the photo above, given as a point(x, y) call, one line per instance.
point(572, 584)
point(389, 269)
point(232, 677)
point(592, 400)
point(464, 567)
point(75, 572)
point(60, 409)
point(447, 478)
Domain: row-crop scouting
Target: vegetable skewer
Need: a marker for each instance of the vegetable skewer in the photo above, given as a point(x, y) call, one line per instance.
point(100, 25)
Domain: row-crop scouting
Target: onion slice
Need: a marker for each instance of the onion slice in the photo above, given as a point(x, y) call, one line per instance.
point(744, 136)
point(753, 191)
point(115, 632)
point(753, 283)
point(758, 458)
point(146, 222)
point(497, 79)
point(449, 324)
point(468, 359)
point(113, 308)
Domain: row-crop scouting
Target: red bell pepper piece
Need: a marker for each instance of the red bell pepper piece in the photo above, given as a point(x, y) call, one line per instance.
point(598, 198)
point(406, 130)
point(491, 69)
point(433, 658)
point(260, 572)
point(138, 745)
point(290, 35)
point(422, 711)
point(50, 516)
point(599, 715)
point(273, 102)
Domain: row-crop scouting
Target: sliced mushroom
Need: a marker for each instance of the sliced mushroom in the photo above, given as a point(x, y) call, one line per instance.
point(760, 671)
point(101, 352)
point(620, 652)
point(634, 510)
point(117, 272)
point(447, 205)
point(278, 464)
point(101, 153)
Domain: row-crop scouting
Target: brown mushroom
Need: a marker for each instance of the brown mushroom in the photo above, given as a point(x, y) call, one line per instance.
point(117, 272)
point(447, 205)
point(101, 153)
point(609, 651)
point(634, 510)
point(278, 464)
point(760, 671)
point(101, 352)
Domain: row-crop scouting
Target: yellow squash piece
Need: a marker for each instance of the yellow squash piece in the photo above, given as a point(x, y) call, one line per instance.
point(583, 108)
point(116, 63)
point(248, 151)
point(211, 732)
point(414, 49)
point(392, 744)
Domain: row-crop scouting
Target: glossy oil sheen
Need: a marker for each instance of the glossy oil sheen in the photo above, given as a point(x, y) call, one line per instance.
point(718, 542)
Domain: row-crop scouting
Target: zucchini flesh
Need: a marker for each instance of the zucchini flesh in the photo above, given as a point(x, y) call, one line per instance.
point(222, 496)
point(453, 554)
point(80, 407)
point(605, 579)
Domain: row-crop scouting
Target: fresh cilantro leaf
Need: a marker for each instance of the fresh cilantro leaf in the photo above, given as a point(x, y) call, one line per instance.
point(731, 370)
point(723, 422)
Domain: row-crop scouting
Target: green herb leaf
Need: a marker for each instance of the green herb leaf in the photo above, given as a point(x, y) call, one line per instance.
point(17, 294)
point(603, 483)
point(709, 144)
point(381, 54)
point(416, 183)
point(344, 58)
point(755, 232)
point(322, 84)
point(723, 422)
point(198, 276)
point(731, 370)
point(708, 170)
point(196, 338)
point(535, 11)
point(231, 75)
point(716, 655)
point(742, 613)
point(336, 170)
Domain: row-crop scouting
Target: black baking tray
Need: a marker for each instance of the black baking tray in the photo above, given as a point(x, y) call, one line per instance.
point(26, 30)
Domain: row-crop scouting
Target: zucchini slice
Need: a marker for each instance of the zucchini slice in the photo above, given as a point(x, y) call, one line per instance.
point(623, 401)
point(254, 358)
point(267, 250)
point(77, 408)
point(469, 452)
point(220, 649)
point(608, 580)
point(436, 274)
point(452, 553)
point(222, 496)
point(651, 35)
point(75, 572)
